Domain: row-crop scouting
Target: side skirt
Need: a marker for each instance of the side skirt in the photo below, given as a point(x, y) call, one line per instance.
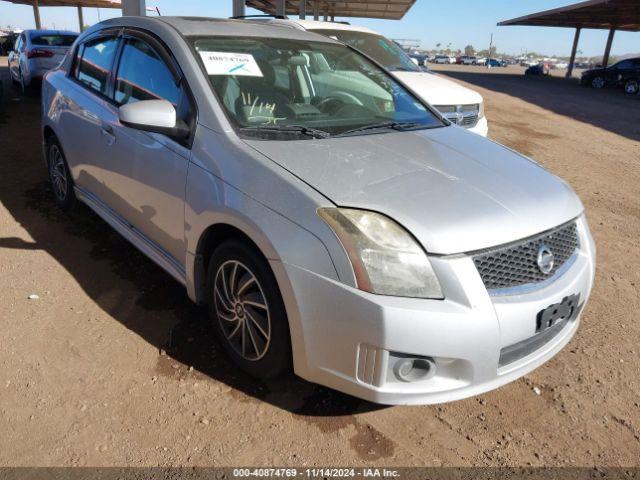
point(133, 235)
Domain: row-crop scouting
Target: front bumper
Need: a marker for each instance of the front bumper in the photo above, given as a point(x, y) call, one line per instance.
point(351, 339)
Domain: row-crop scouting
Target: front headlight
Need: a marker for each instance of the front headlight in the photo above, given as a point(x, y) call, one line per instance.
point(386, 259)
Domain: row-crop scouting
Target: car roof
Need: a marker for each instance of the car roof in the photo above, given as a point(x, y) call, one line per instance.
point(207, 26)
point(317, 25)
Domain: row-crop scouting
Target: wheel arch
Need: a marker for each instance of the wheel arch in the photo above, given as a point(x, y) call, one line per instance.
point(232, 228)
point(210, 239)
point(47, 134)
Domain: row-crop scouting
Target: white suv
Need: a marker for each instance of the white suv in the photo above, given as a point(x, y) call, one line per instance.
point(460, 105)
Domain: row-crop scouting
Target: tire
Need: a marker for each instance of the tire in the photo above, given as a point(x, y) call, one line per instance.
point(59, 175)
point(631, 86)
point(598, 82)
point(256, 338)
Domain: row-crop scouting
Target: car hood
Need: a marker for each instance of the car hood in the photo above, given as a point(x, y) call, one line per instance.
point(453, 190)
point(437, 90)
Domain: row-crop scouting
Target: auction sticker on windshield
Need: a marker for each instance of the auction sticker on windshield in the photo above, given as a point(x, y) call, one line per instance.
point(226, 63)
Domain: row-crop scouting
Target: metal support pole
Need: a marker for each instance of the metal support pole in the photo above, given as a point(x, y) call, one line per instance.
point(316, 10)
point(36, 14)
point(238, 8)
point(303, 9)
point(607, 50)
point(574, 49)
point(280, 8)
point(134, 8)
point(80, 19)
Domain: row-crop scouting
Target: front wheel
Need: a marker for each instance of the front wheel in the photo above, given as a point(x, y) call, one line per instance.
point(247, 311)
point(598, 82)
point(631, 86)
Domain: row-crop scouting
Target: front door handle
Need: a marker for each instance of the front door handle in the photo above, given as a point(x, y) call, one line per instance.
point(107, 131)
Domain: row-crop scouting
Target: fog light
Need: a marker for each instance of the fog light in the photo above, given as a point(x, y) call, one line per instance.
point(414, 369)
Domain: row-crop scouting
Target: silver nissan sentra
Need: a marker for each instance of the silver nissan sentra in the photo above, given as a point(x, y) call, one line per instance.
point(333, 223)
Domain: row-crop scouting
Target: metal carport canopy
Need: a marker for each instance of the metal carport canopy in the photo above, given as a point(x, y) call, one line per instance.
point(385, 9)
point(66, 3)
point(609, 15)
point(599, 14)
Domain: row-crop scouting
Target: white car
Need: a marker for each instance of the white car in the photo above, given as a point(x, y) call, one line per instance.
point(460, 105)
point(35, 53)
point(468, 60)
point(445, 59)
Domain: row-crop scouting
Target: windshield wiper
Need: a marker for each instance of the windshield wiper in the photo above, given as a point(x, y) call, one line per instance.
point(301, 129)
point(400, 126)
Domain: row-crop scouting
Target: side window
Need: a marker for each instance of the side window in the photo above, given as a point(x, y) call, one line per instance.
point(625, 65)
point(94, 66)
point(143, 75)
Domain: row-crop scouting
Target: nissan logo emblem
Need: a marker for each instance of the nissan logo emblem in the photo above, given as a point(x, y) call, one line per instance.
point(545, 259)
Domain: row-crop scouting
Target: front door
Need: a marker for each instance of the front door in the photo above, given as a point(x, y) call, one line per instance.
point(147, 171)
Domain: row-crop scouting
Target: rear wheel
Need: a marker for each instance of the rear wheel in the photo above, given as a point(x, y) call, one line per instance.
point(631, 86)
point(597, 82)
point(59, 175)
point(247, 311)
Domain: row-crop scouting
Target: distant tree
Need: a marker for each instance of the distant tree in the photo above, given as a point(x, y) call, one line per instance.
point(469, 51)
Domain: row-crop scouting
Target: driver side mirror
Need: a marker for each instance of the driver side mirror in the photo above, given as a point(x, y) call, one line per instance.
point(157, 116)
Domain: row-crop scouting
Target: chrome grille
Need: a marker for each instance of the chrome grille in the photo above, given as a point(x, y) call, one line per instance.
point(516, 264)
point(469, 121)
point(464, 115)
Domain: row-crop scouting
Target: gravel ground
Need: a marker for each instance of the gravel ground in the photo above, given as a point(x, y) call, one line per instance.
point(111, 365)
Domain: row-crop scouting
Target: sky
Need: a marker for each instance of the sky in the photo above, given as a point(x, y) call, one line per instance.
point(455, 22)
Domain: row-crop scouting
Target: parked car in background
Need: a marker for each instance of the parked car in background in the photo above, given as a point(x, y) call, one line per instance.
point(330, 219)
point(560, 65)
point(458, 104)
point(444, 59)
point(468, 60)
point(494, 62)
point(36, 52)
point(625, 74)
point(420, 60)
point(540, 69)
point(528, 63)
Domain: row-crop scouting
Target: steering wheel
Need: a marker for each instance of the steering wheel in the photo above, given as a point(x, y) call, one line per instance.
point(340, 98)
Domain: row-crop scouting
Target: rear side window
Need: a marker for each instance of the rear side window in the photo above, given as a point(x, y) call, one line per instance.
point(52, 40)
point(143, 75)
point(95, 61)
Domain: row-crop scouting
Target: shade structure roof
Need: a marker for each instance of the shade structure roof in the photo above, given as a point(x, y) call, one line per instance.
point(385, 9)
point(599, 14)
point(71, 3)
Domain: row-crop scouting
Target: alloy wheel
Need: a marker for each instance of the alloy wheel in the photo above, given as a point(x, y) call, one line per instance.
point(631, 87)
point(58, 173)
point(242, 310)
point(597, 82)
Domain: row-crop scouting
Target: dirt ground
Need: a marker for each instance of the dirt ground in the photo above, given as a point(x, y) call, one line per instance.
point(112, 365)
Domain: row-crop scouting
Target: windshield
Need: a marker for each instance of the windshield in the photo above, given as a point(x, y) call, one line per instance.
point(384, 51)
point(53, 40)
point(305, 88)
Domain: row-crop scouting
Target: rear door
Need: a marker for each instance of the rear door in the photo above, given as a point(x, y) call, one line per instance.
point(147, 171)
point(81, 132)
